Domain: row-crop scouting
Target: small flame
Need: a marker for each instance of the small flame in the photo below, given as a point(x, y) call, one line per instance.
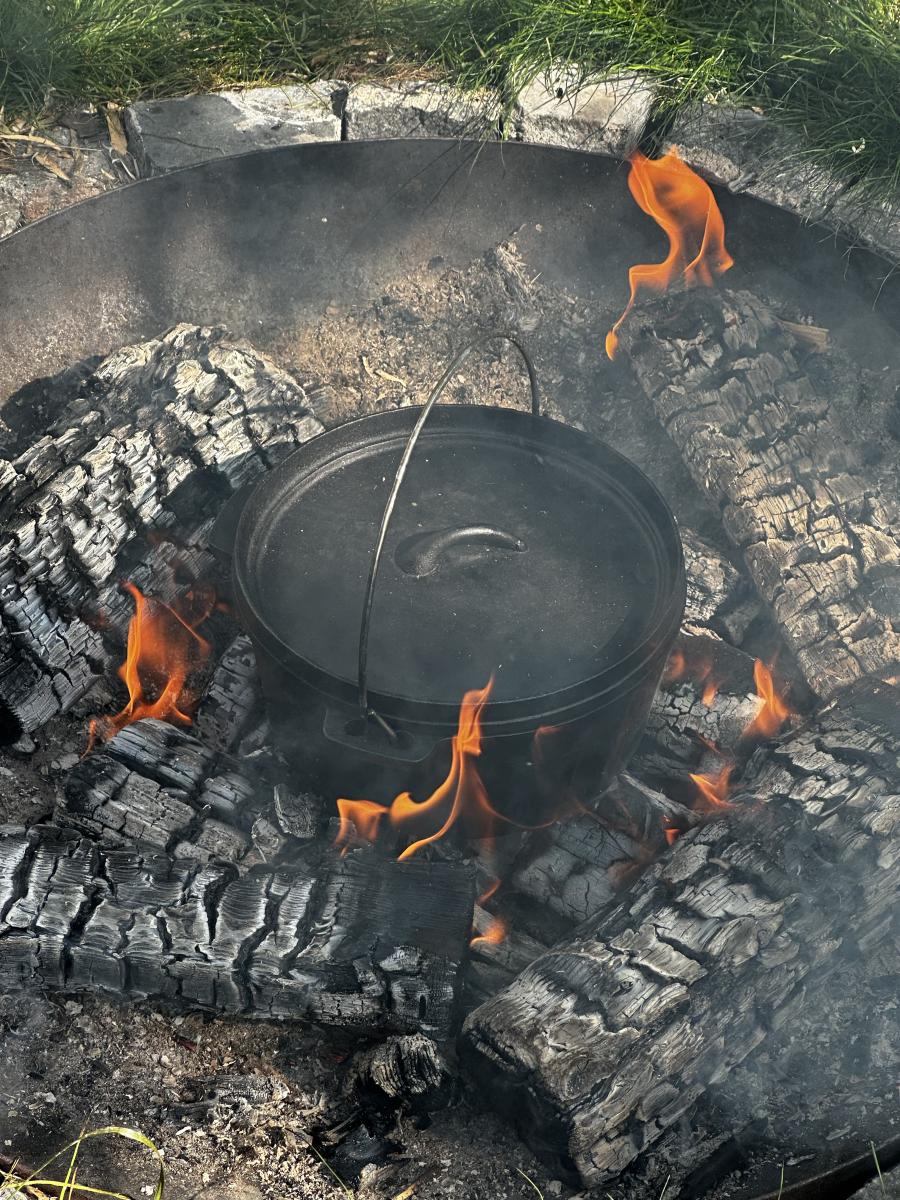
point(683, 205)
point(493, 935)
point(713, 790)
point(709, 692)
point(461, 800)
point(773, 712)
point(699, 670)
point(676, 667)
point(671, 832)
point(164, 652)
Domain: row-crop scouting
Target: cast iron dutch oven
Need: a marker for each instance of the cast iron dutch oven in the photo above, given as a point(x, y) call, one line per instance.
point(394, 563)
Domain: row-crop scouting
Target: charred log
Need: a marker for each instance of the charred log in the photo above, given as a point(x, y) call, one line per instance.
point(813, 510)
point(356, 941)
point(160, 433)
point(720, 599)
point(566, 873)
point(401, 1075)
point(601, 1045)
point(233, 702)
point(156, 786)
point(575, 867)
point(705, 703)
point(160, 788)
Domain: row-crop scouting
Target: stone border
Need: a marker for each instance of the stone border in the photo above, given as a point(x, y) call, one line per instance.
point(739, 149)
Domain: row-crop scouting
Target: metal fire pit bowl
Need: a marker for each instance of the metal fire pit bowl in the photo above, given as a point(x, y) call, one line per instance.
point(263, 242)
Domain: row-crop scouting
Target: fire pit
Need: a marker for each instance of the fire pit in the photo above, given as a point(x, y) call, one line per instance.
point(681, 892)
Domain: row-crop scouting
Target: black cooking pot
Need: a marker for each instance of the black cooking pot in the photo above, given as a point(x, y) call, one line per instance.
point(517, 546)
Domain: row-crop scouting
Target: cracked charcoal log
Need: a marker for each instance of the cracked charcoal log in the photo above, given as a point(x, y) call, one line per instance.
point(493, 964)
point(233, 701)
point(817, 520)
point(686, 722)
point(566, 873)
point(575, 867)
point(720, 599)
point(402, 1074)
point(603, 1043)
point(160, 787)
point(357, 942)
point(161, 432)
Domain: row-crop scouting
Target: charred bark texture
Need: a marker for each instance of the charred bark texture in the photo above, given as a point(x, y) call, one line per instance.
point(817, 519)
point(563, 875)
point(706, 701)
point(357, 941)
point(160, 434)
point(720, 599)
point(602, 1044)
point(159, 787)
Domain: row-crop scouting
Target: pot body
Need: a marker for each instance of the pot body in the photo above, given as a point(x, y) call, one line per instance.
point(567, 578)
point(531, 776)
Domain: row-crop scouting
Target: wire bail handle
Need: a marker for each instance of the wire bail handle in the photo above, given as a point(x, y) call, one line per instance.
point(458, 359)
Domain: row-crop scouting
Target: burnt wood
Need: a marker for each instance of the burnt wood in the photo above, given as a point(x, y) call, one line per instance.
point(604, 1043)
point(689, 730)
point(357, 941)
point(805, 494)
point(720, 599)
point(232, 704)
point(157, 786)
point(158, 435)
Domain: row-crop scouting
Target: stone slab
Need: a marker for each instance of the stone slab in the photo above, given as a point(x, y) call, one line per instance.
point(745, 151)
point(607, 114)
point(164, 135)
point(886, 1188)
point(419, 109)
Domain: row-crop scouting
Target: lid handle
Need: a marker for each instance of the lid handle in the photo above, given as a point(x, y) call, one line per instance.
point(458, 359)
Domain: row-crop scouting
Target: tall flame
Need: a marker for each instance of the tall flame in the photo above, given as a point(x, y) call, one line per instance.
point(461, 800)
point(163, 653)
point(683, 205)
point(773, 712)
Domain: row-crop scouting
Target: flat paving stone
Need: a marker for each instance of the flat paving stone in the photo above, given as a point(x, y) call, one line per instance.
point(744, 151)
point(164, 135)
point(418, 109)
point(607, 114)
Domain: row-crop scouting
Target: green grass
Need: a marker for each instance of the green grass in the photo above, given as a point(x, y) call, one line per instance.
point(829, 68)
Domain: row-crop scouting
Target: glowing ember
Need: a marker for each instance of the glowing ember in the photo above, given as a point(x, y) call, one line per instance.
point(163, 655)
point(493, 935)
point(460, 801)
point(676, 667)
point(773, 712)
point(683, 205)
point(709, 692)
point(713, 790)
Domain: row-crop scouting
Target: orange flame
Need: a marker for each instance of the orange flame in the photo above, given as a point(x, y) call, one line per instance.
point(461, 800)
point(713, 790)
point(493, 935)
point(773, 712)
point(683, 205)
point(699, 670)
point(163, 653)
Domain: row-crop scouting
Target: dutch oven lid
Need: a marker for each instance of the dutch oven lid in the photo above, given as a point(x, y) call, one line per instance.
point(517, 546)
